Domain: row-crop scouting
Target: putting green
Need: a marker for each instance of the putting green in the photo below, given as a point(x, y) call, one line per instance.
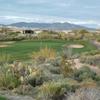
point(21, 50)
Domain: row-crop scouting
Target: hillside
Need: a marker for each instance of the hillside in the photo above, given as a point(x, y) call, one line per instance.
point(52, 26)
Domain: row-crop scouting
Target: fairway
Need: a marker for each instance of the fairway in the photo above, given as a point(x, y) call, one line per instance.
point(21, 50)
point(2, 98)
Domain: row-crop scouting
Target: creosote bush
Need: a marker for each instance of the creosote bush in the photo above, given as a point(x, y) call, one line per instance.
point(56, 90)
point(87, 77)
point(36, 78)
point(83, 73)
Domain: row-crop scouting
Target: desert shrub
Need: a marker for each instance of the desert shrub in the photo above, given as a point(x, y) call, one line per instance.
point(66, 62)
point(48, 35)
point(13, 34)
point(56, 90)
point(62, 35)
point(11, 38)
point(24, 89)
point(93, 52)
point(88, 83)
point(55, 70)
point(36, 78)
point(85, 94)
point(20, 70)
point(67, 52)
point(56, 62)
point(17, 38)
point(44, 35)
point(84, 73)
point(18, 73)
point(94, 60)
point(66, 67)
point(44, 53)
point(4, 58)
point(97, 79)
point(92, 57)
point(7, 78)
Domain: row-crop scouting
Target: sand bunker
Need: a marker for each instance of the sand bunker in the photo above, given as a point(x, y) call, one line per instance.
point(76, 46)
point(9, 42)
point(3, 46)
point(6, 44)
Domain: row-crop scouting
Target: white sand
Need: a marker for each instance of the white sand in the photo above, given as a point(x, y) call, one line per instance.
point(76, 46)
point(3, 46)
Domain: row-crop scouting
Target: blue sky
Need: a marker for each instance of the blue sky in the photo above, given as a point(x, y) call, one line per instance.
point(83, 12)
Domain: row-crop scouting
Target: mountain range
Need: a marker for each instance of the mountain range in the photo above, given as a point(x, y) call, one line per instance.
point(50, 26)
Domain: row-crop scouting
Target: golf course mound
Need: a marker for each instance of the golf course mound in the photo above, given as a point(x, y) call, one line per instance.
point(76, 46)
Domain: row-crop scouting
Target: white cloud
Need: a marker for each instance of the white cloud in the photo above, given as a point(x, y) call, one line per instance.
point(82, 22)
point(35, 18)
point(31, 1)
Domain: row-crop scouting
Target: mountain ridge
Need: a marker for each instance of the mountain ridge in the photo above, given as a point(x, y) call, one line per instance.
point(50, 26)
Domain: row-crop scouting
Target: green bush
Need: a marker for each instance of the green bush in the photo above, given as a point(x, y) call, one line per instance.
point(36, 78)
point(5, 58)
point(2, 98)
point(84, 73)
point(7, 78)
point(97, 79)
point(66, 67)
point(44, 53)
point(56, 90)
point(92, 57)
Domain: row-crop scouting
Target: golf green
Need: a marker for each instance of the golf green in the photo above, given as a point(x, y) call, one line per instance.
point(21, 50)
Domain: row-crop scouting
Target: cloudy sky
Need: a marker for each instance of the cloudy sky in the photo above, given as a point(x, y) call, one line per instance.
point(83, 12)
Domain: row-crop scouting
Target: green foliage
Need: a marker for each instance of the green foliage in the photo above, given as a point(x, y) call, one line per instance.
point(66, 65)
point(44, 35)
point(13, 34)
point(56, 90)
point(92, 57)
point(84, 74)
point(92, 53)
point(4, 58)
point(46, 53)
point(2, 98)
point(83, 31)
point(36, 78)
point(7, 78)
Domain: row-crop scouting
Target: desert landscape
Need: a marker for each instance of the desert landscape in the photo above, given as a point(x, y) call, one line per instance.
point(49, 50)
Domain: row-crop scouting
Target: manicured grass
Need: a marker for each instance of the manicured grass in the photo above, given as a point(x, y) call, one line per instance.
point(2, 98)
point(23, 49)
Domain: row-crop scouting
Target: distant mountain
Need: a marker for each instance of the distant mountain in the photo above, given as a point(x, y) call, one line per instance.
point(1, 25)
point(51, 26)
